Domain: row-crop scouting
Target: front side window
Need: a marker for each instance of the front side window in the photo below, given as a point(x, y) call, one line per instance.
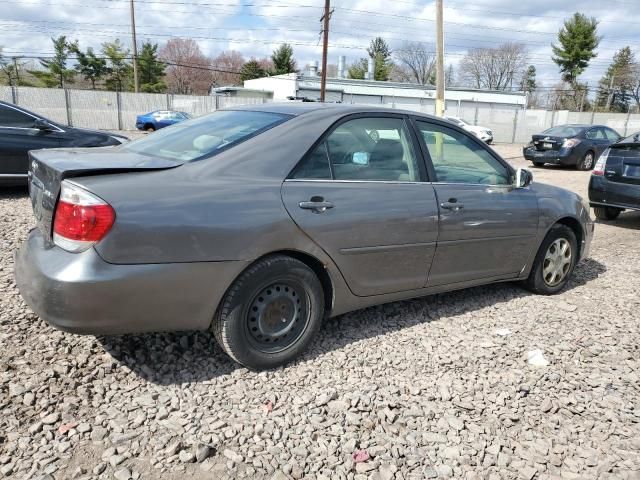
point(365, 149)
point(10, 117)
point(457, 158)
point(205, 136)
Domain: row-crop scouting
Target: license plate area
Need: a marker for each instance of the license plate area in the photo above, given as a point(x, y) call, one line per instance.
point(547, 146)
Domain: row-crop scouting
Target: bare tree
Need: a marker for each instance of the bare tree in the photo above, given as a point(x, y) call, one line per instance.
point(634, 82)
point(188, 70)
point(494, 68)
point(415, 63)
point(227, 67)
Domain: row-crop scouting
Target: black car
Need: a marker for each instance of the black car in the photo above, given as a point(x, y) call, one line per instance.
point(574, 145)
point(615, 180)
point(22, 130)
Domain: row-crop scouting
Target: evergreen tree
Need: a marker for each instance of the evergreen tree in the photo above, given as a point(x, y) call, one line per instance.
point(283, 61)
point(57, 74)
point(528, 83)
point(358, 69)
point(120, 72)
point(578, 41)
point(150, 69)
point(381, 54)
point(90, 66)
point(251, 70)
point(615, 87)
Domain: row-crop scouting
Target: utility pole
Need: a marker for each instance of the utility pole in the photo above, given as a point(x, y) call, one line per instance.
point(439, 60)
point(584, 94)
point(610, 96)
point(325, 47)
point(135, 47)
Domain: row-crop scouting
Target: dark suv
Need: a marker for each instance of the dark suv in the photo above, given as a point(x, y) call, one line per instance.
point(615, 180)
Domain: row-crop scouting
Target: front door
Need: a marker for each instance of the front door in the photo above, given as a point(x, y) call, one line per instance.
point(487, 227)
point(17, 137)
point(360, 195)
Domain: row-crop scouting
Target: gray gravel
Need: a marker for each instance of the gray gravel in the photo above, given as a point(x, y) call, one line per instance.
point(419, 389)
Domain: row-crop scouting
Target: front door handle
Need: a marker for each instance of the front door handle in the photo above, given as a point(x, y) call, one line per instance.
point(455, 206)
point(316, 205)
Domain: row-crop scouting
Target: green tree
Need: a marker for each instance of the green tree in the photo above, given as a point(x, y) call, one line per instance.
point(120, 72)
point(90, 66)
point(251, 70)
point(283, 61)
point(615, 89)
point(150, 69)
point(358, 69)
point(381, 54)
point(578, 41)
point(57, 74)
point(528, 83)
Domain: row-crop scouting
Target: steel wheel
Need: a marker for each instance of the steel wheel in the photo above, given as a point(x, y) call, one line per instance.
point(277, 317)
point(557, 262)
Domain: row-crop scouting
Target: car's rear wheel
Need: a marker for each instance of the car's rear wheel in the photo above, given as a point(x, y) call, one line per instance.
point(270, 314)
point(607, 213)
point(554, 262)
point(587, 161)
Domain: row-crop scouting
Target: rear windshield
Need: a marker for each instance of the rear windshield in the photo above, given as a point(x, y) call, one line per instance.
point(563, 131)
point(205, 136)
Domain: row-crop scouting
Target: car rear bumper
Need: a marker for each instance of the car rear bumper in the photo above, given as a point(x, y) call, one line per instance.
point(81, 293)
point(556, 157)
point(603, 192)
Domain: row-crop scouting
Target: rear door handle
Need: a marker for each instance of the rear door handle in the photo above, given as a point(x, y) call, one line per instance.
point(316, 205)
point(455, 206)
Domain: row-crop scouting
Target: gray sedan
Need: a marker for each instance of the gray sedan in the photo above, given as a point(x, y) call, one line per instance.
point(259, 222)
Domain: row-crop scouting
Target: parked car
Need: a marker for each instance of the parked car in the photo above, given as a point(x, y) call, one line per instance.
point(159, 119)
point(259, 222)
point(22, 130)
point(483, 133)
point(574, 145)
point(615, 180)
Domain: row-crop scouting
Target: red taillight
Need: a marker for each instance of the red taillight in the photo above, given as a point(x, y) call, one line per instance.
point(81, 219)
point(601, 164)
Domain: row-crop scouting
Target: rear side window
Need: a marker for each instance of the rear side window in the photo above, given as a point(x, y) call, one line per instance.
point(10, 117)
point(363, 149)
point(612, 135)
point(205, 136)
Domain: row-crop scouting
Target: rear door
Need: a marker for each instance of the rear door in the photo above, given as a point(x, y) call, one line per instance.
point(361, 195)
point(487, 228)
point(17, 137)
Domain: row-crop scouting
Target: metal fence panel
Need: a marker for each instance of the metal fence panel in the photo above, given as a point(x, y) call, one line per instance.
point(134, 104)
point(5, 94)
point(633, 126)
point(225, 102)
point(94, 109)
point(192, 104)
point(499, 120)
point(48, 102)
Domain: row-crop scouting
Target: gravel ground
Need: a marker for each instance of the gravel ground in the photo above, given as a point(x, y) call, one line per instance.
point(436, 387)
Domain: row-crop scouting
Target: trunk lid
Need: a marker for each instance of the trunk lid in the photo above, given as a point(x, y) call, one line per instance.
point(48, 168)
point(623, 163)
point(547, 142)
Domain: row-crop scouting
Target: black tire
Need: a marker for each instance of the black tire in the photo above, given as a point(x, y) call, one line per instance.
point(538, 164)
point(538, 282)
point(244, 324)
point(587, 162)
point(606, 213)
point(149, 128)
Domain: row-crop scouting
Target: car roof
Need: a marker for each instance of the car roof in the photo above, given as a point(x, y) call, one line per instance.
point(301, 108)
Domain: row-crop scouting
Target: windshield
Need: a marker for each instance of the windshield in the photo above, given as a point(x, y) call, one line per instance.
point(205, 136)
point(563, 131)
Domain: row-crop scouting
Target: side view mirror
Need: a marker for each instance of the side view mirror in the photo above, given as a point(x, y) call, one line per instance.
point(523, 178)
point(42, 124)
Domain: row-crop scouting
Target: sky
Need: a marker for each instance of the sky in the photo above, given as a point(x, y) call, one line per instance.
point(256, 27)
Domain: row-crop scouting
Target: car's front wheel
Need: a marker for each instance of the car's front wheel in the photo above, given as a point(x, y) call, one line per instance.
point(554, 262)
point(587, 161)
point(270, 314)
point(538, 164)
point(607, 213)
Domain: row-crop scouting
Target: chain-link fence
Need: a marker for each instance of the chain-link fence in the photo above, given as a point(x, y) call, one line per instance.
point(118, 111)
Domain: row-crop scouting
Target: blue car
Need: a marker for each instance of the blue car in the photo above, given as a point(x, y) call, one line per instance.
point(160, 118)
